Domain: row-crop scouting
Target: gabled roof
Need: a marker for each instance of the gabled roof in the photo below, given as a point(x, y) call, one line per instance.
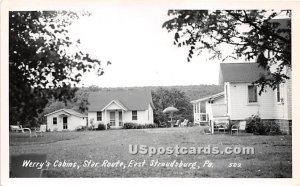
point(69, 111)
point(131, 99)
point(116, 102)
point(212, 97)
point(241, 72)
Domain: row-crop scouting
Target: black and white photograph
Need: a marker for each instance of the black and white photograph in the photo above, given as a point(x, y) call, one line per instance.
point(127, 90)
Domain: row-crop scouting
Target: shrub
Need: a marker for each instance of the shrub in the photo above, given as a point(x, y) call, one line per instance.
point(90, 127)
point(138, 126)
point(162, 125)
point(190, 124)
point(80, 128)
point(151, 125)
point(130, 125)
point(101, 126)
point(253, 123)
point(257, 126)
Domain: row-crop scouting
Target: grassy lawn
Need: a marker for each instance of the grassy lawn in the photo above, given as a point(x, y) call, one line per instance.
point(272, 158)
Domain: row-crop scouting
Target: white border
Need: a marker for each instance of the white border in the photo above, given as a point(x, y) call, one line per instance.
point(10, 5)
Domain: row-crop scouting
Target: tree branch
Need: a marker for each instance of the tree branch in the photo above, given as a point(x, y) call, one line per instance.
point(257, 27)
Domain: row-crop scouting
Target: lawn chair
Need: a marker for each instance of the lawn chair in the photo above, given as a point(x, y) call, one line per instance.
point(14, 128)
point(40, 130)
point(240, 127)
point(18, 128)
point(177, 123)
point(221, 125)
point(23, 129)
point(184, 123)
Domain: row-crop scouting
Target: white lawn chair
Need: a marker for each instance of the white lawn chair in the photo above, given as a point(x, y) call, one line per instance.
point(14, 128)
point(240, 127)
point(221, 125)
point(18, 128)
point(40, 130)
point(177, 123)
point(184, 123)
point(23, 129)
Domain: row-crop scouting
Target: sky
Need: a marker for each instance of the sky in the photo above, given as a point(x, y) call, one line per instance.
point(141, 51)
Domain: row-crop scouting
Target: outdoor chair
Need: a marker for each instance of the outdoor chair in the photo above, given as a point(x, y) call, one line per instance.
point(221, 126)
point(240, 127)
point(184, 123)
point(18, 128)
point(14, 128)
point(177, 123)
point(40, 130)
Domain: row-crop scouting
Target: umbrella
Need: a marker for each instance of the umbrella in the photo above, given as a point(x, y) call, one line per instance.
point(170, 110)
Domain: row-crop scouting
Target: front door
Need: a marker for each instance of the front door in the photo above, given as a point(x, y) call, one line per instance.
point(112, 120)
point(65, 122)
point(120, 119)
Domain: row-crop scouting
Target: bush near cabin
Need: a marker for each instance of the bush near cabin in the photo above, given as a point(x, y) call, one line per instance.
point(257, 126)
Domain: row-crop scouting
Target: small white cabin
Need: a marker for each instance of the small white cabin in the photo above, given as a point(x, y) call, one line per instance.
point(116, 107)
point(65, 120)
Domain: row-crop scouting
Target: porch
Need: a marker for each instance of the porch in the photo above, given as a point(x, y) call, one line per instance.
point(114, 117)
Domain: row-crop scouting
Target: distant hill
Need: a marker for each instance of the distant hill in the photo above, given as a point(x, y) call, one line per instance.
point(192, 91)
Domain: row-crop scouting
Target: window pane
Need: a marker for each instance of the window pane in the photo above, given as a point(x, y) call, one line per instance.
point(54, 120)
point(134, 115)
point(99, 116)
point(252, 94)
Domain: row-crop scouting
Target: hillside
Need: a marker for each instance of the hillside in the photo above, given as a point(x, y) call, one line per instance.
point(192, 91)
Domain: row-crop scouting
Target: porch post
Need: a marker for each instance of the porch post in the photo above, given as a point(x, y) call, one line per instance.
point(105, 118)
point(122, 117)
point(194, 105)
point(199, 111)
point(212, 126)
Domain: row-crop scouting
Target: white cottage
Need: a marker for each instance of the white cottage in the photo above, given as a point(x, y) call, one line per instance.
point(117, 107)
point(241, 98)
point(65, 120)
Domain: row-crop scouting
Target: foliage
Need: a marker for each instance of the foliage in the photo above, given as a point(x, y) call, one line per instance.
point(130, 126)
point(80, 128)
point(191, 124)
point(43, 61)
point(79, 103)
point(251, 33)
point(163, 98)
point(257, 126)
point(138, 126)
point(101, 126)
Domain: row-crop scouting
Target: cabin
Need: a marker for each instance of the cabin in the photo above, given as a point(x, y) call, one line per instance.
point(116, 107)
point(241, 99)
point(65, 120)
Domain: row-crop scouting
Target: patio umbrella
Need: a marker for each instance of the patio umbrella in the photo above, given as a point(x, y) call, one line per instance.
point(170, 110)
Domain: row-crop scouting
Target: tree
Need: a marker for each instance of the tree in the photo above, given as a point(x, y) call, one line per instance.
point(251, 33)
point(163, 98)
point(44, 62)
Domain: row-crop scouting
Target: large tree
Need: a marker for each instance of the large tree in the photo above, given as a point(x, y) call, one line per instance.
point(44, 62)
point(253, 35)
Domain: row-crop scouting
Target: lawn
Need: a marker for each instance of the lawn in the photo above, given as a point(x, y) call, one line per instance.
point(272, 158)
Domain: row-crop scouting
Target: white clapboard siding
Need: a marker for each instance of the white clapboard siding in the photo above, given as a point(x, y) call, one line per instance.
point(240, 109)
